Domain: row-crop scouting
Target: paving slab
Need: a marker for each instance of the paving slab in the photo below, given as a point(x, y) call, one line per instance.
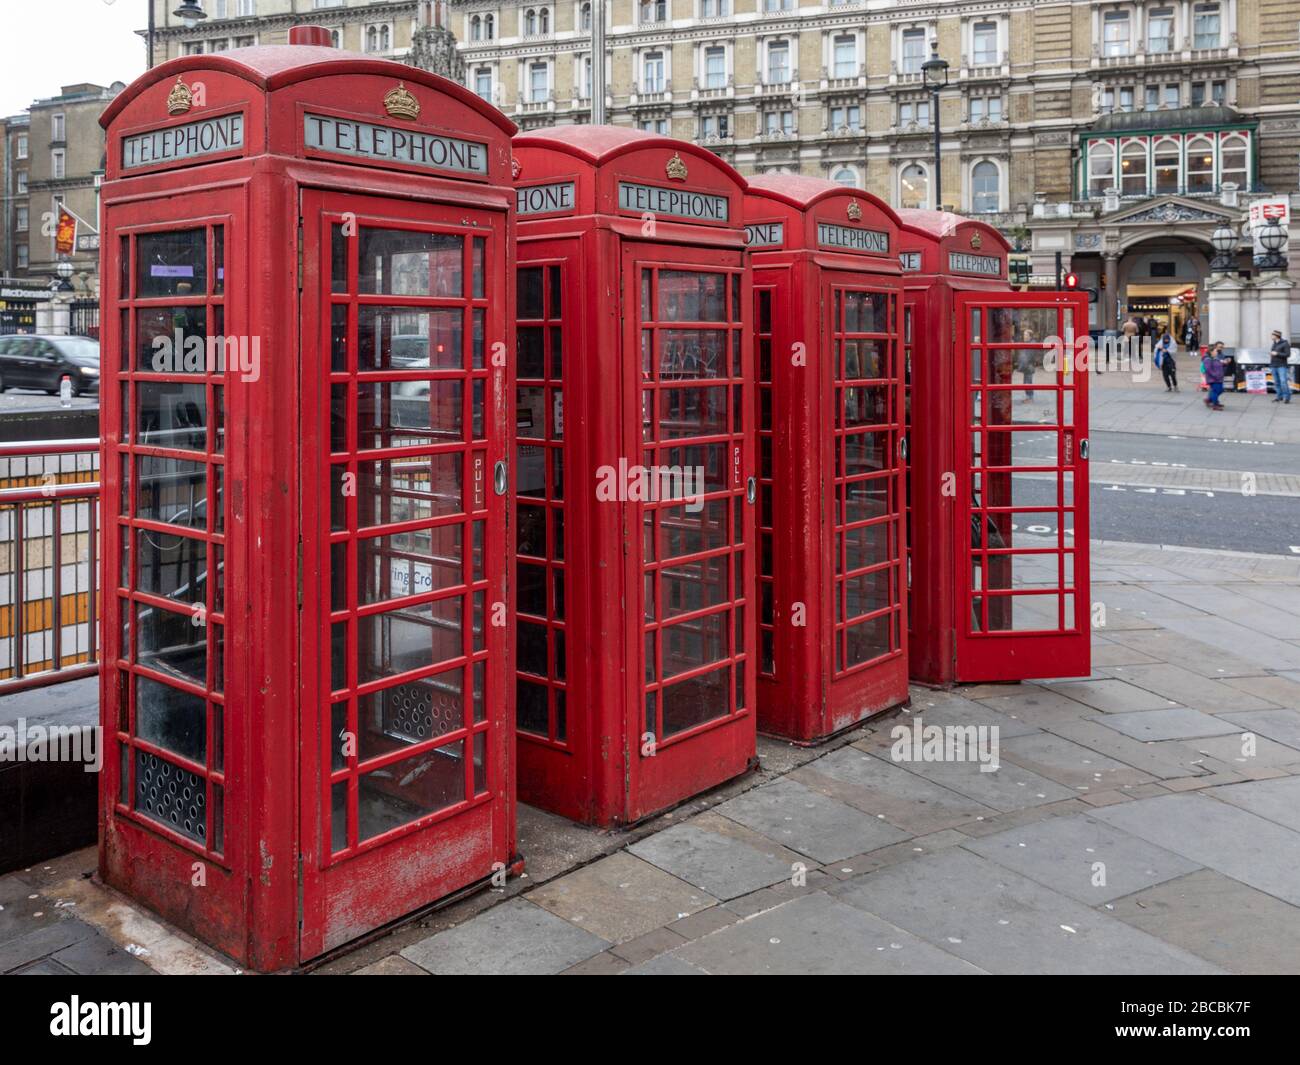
point(817, 936)
point(664, 965)
point(1070, 764)
point(724, 866)
point(1281, 726)
point(797, 817)
point(1037, 706)
point(1278, 800)
point(1230, 601)
point(1187, 689)
point(620, 898)
point(1203, 659)
point(1062, 853)
point(882, 788)
point(42, 941)
point(1008, 788)
point(98, 955)
point(515, 937)
point(1277, 689)
point(1228, 751)
point(1163, 764)
point(1219, 919)
point(1006, 923)
point(1111, 653)
point(1111, 696)
point(1218, 835)
point(1244, 641)
point(1175, 723)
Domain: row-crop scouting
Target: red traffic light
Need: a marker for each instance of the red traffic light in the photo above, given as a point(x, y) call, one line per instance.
point(1071, 281)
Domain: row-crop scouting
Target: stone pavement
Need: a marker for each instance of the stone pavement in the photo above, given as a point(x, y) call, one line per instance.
point(1119, 404)
point(1144, 819)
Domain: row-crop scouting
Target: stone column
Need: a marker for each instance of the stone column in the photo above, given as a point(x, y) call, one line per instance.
point(1274, 288)
point(1223, 309)
point(1111, 291)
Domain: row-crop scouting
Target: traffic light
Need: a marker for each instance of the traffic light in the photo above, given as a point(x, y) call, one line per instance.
point(1071, 282)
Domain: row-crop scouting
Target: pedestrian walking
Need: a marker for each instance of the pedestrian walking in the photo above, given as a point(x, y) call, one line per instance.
point(1278, 355)
point(1192, 334)
point(1165, 348)
point(1214, 370)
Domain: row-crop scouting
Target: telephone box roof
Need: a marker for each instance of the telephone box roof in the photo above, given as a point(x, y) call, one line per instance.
point(801, 191)
point(272, 67)
point(940, 224)
point(598, 145)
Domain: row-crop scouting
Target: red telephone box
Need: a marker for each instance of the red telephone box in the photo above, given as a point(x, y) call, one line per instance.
point(634, 474)
point(832, 645)
point(305, 264)
point(998, 474)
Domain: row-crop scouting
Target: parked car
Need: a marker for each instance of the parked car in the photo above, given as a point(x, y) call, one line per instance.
point(41, 362)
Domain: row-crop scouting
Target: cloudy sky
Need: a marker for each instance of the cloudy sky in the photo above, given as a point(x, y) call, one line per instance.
point(46, 44)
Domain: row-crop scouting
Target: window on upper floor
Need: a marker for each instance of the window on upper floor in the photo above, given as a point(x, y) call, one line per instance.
point(584, 78)
point(715, 8)
point(21, 150)
point(1160, 30)
point(1207, 29)
point(1133, 169)
point(844, 56)
point(914, 112)
point(22, 259)
point(584, 18)
point(58, 164)
point(1101, 168)
point(845, 116)
point(489, 27)
point(1117, 35)
point(914, 186)
point(845, 176)
point(58, 128)
point(984, 44)
point(778, 122)
point(378, 38)
point(779, 5)
point(654, 10)
point(715, 126)
point(1233, 161)
point(483, 82)
point(986, 108)
point(715, 67)
point(778, 63)
point(475, 28)
point(21, 219)
point(985, 187)
point(20, 183)
point(1173, 96)
point(655, 125)
point(1168, 157)
point(1200, 165)
point(913, 50)
point(539, 82)
point(652, 72)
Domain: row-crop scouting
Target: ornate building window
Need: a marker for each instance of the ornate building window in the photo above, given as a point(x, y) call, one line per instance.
point(914, 186)
point(846, 176)
point(1200, 165)
point(985, 187)
point(1101, 168)
point(1117, 35)
point(1160, 30)
point(1234, 161)
point(1133, 169)
point(1168, 165)
point(1207, 27)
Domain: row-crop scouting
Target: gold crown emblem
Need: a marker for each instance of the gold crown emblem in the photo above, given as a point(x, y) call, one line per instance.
point(180, 99)
point(976, 241)
point(676, 169)
point(401, 104)
point(855, 210)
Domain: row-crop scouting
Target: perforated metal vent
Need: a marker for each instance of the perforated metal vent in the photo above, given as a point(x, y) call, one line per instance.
point(170, 795)
point(416, 712)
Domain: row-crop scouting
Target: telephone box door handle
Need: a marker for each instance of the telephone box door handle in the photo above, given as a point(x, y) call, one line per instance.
point(751, 490)
point(902, 448)
point(1083, 448)
point(499, 478)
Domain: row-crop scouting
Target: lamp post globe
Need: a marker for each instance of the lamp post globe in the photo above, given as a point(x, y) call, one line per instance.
point(1272, 238)
point(190, 13)
point(1224, 240)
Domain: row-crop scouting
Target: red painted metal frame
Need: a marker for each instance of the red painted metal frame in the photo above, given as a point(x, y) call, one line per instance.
point(809, 687)
point(943, 649)
point(599, 766)
point(259, 892)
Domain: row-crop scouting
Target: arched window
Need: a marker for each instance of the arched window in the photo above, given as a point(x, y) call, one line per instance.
point(1133, 169)
point(1169, 165)
point(489, 27)
point(1200, 165)
point(584, 17)
point(846, 176)
point(1233, 165)
point(384, 43)
point(986, 187)
point(476, 29)
point(372, 38)
point(544, 20)
point(1101, 168)
point(530, 22)
point(914, 186)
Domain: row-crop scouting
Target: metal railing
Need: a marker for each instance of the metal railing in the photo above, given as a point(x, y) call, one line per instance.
point(49, 550)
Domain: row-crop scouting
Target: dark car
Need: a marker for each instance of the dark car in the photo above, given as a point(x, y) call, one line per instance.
point(42, 362)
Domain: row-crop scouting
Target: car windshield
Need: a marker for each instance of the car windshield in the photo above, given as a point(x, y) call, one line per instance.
point(80, 349)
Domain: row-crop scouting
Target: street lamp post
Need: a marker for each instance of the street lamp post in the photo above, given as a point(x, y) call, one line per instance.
point(1224, 240)
point(597, 62)
point(189, 13)
point(935, 72)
